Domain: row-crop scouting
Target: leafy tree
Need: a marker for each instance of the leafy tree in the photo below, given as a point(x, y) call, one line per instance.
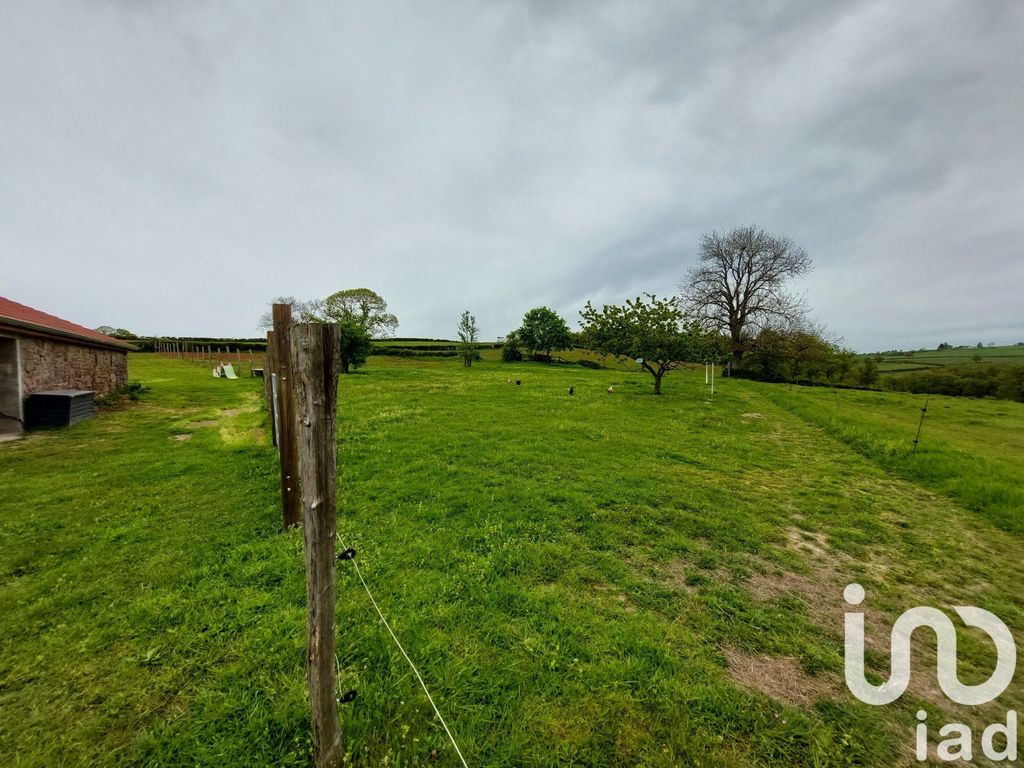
point(468, 334)
point(739, 283)
point(802, 351)
point(356, 344)
point(844, 362)
point(655, 333)
point(510, 352)
point(117, 333)
point(365, 307)
point(945, 345)
point(867, 374)
point(713, 347)
point(544, 331)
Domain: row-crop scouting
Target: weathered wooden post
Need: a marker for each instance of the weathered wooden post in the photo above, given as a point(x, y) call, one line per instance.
point(286, 419)
point(269, 386)
point(314, 352)
point(917, 437)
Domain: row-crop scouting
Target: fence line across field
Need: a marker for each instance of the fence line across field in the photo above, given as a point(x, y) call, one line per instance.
point(210, 355)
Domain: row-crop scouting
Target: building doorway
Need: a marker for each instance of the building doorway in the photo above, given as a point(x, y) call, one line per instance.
point(11, 413)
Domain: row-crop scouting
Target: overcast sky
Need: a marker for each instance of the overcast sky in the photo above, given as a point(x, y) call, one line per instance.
point(170, 167)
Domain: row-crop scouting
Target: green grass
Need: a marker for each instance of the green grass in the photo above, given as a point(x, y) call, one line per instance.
point(969, 449)
point(898, 362)
point(572, 575)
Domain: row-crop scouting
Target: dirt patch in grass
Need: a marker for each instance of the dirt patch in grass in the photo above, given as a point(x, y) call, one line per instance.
point(751, 416)
point(819, 587)
point(182, 437)
point(820, 590)
point(607, 592)
point(812, 543)
point(198, 424)
point(821, 595)
point(780, 677)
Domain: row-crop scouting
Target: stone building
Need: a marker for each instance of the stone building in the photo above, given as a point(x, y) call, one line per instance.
point(40, 352)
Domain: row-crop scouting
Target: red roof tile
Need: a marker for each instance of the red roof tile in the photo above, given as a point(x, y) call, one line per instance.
point(13, 313)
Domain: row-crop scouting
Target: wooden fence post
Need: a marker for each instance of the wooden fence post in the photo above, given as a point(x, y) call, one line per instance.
point(315, 349)
point(286, 409)
point(269, 379)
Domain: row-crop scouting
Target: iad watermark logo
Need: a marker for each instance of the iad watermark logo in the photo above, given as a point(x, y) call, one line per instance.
point(958, 743)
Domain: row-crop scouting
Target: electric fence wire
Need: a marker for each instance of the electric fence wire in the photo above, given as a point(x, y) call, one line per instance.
point(416, 672)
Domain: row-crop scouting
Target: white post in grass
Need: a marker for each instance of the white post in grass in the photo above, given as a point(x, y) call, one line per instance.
point(705, 371)
point(712, 378)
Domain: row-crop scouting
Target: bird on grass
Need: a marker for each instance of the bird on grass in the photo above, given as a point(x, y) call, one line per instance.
point(518, 382)
point(571, 390)
point(611, 389)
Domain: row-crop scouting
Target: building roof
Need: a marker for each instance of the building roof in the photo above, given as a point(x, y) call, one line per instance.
point(18, 316)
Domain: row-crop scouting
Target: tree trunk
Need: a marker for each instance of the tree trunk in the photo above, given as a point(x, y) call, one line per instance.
point(344, 364)
point(657, 382)
point(736, 336)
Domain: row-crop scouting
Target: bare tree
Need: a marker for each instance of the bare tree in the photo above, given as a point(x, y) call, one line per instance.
point(739, 283)
point(302, 311)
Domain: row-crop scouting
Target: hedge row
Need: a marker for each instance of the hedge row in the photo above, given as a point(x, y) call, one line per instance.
point(396, 344)
point(414, 352)
point(1005, 382)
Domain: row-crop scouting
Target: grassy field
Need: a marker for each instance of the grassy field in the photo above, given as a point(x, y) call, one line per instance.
point(898, 362)
point(601, 580)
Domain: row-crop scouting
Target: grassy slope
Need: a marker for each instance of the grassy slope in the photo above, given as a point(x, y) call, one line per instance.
point(937, 358)
point(970, 449)
point(570, 573)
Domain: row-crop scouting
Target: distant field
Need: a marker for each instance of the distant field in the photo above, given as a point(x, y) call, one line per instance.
point(596, 580)
point(490, 352)
point(413, 343)
point(915, 361)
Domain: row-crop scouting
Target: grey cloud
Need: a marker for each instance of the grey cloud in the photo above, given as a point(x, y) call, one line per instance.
point(170, 167)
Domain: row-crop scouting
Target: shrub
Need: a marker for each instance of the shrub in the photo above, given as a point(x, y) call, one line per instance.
point(131, 391)
point(510, 352)
point(415, 352)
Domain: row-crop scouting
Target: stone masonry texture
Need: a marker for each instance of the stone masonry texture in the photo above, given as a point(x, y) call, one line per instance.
point(47, 364)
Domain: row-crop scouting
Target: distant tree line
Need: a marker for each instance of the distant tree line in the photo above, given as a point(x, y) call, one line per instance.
point(1003, 381)
point(736, 306)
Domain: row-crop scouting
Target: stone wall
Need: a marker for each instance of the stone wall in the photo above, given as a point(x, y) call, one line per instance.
point(47, 364)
